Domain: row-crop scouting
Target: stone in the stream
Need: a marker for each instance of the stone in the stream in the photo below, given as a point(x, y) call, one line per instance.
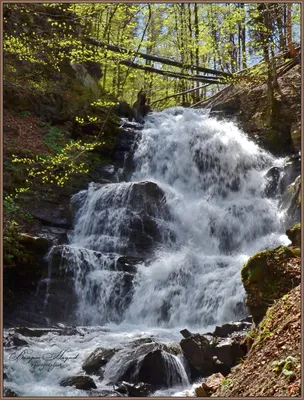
point(9, 393)
point(97, 359)
point(186, 334)
point(140, 389)
point(229, 328)
point(149, 362)
point(14, 339)
point(272, 178)
point(198, 352)
point(80, 382)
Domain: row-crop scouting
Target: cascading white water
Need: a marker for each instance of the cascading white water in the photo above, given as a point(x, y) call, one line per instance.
point(212, 178)
point(161, 252)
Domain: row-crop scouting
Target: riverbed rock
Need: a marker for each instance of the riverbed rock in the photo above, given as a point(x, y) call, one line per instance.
point(267, 276)
point(149, 362)
point(97, 359)
point(140, 389)
point(80, 382)
point(272, 178)
point(9, 393)
point(294, 234)
point(229, 328)
point(198, 352)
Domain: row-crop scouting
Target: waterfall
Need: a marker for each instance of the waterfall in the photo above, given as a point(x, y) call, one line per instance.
point(194, 211)
point(150, 256)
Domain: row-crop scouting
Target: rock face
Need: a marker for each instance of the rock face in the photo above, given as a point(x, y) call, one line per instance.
point(97, 359)
point(198, 352)
point(294, 234)
point(80, 382)
point(267, 276)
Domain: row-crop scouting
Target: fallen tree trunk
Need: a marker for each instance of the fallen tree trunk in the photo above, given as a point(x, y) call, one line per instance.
point(156, 59)
point(180, 94)
point(172, 74)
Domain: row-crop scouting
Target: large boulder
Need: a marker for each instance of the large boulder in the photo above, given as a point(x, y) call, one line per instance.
point(267, 276)
point(199, 354)
point(149, 362)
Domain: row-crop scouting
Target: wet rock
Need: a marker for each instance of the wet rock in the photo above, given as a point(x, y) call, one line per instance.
point(38, 332)
point(97, 359)
point(80, 382)
point(291, 202)
point(9, 393)
point(291, 170)
point(272, 178)
point(149, 362)
point(186, 334)
point(13, 339)
point(140, 389)
point(128, 264)
point(198, 352)
point(294, 234)
point(267, 276)
point(227, 329)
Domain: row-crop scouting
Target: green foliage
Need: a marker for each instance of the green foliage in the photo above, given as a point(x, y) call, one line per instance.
point(13, 251)
point(285, 366)
point(10, 207)
point(54, 140)
point(227, 383)
point(57, 169)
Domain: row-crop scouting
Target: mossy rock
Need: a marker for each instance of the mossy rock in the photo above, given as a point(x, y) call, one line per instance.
point(267, 276)
point(294, 234)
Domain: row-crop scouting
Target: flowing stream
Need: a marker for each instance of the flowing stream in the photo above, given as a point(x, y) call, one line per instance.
point(159, 253)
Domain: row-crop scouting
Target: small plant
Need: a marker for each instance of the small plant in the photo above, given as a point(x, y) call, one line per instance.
point(285, 367)
point(227, 383)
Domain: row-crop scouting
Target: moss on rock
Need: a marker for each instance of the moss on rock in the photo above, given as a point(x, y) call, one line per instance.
point(294, 234)
point(267, 276)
